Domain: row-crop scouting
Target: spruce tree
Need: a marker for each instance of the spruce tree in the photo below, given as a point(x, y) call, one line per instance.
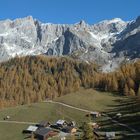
point(87, 132)
point(138, 92)
point(126, 90)
point(132, 92)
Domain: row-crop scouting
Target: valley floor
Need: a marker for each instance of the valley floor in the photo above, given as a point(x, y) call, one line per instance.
point(75, 106)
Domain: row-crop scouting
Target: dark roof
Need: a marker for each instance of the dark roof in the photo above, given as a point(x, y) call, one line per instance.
point(43, 123)
point(55, 126)
point(43, 131)
point(67, 128)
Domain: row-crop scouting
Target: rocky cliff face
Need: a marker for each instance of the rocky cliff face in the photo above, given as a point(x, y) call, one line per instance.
point(108, 43)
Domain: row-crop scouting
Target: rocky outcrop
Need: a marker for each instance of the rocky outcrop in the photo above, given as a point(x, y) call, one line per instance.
point(107, 42)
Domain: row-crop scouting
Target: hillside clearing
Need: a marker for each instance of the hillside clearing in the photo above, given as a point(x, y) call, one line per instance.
point(91, 99)
point(34, 113)
point(84, 99)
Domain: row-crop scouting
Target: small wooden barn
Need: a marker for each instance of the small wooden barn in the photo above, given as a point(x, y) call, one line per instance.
point(69, 129)
point(43, 124)
point(45, 133)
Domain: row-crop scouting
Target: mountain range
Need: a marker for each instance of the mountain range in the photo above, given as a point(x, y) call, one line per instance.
point(109, 43)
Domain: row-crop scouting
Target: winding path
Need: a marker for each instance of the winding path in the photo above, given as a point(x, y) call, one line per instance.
point(88, 111)
point(76, 108)
point(17, 122)
point(69, 106)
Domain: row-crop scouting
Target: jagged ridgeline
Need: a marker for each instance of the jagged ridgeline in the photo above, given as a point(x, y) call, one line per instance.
point(35, 78)
point(109, 42)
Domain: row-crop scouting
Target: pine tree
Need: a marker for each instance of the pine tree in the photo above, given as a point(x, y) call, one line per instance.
point(126, 90)
point(132, 92)
point(87, 132)
point(131, 83)
point(114, 84)
point(138, 92)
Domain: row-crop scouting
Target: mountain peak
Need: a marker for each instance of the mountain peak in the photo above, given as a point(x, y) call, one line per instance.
point(82, 23)
point(28, 36)
point(29, 17)
point(114, 20)
point(138, 19)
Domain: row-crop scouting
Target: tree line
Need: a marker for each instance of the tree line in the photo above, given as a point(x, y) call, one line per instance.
point(35, 78)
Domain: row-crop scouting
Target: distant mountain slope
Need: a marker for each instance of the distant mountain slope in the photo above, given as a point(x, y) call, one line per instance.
point(109, 42)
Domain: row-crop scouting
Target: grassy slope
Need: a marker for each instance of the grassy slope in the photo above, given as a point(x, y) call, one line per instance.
point(130, 109)
point(34, 113)
point(90, 99)
point(109, 103)
point(11, 131)
point(41, 111)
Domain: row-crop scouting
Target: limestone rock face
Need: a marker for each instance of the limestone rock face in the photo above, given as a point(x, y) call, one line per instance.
point(108, 43)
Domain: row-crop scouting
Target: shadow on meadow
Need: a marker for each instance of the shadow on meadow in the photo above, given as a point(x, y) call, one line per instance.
point(130, 110)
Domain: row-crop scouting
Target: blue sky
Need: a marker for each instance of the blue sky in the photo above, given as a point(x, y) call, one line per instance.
point(70, 11)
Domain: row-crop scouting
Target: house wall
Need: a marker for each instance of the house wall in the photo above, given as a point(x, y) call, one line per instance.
point(73, 130)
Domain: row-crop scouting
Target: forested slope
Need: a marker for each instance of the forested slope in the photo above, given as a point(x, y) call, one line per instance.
point(35, 78)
